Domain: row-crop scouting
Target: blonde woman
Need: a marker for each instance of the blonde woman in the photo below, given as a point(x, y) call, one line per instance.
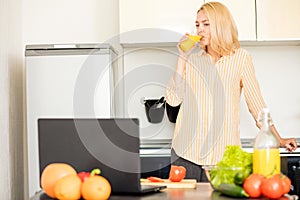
point(208, 84)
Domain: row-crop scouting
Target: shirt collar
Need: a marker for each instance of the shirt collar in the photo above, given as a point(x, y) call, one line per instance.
point(202, 52)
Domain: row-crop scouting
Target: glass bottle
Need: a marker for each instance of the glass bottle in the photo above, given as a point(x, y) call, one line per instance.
point(266, 155)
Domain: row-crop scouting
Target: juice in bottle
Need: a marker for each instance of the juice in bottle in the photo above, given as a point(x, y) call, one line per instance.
point(266, 161)
point(266, 156)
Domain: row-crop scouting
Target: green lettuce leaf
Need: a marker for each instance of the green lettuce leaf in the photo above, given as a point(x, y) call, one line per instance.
point(234, 160)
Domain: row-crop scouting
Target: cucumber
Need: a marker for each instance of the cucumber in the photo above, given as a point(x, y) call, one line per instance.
point(232, 190)
point(239, 178)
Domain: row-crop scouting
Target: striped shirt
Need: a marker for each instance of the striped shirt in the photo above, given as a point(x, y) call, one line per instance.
point(209, 94)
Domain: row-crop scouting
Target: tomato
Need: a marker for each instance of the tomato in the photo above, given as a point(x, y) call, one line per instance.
point(286, 183)
point(177, 173)
point(155, 179)
point(272, 187)
point(252, 185)
point(83, 175)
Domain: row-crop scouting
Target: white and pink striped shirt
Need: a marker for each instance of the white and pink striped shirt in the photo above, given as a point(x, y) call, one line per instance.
point(209, 116)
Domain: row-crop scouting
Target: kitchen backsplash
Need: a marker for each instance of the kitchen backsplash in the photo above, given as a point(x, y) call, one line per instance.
point(147, 71)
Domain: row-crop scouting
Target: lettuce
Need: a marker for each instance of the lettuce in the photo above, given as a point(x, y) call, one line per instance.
point(234, 160)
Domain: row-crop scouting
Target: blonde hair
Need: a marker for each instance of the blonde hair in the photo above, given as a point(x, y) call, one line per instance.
point(224, 33)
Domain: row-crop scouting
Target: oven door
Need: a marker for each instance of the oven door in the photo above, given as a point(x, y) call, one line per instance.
point(155, 158)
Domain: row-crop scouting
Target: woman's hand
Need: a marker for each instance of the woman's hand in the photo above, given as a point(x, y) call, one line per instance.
point(289, 143)
point(185, 54)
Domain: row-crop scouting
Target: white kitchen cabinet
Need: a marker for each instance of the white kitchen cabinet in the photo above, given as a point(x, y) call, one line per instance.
point(244, 16)
point(155, 16)
point(278, 20)
point(68, 21)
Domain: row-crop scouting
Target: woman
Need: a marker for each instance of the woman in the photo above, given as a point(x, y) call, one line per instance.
point(208, 85)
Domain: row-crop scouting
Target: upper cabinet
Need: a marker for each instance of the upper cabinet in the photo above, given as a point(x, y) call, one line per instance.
point(278, 20)
point(243, 13)
point(156, 20)
point(69, 21)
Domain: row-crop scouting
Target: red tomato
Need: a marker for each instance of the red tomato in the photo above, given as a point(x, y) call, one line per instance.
point(286, 183)
point(155, 179)
point(177, 173)
point(252, 185)
point(272, 187)
point(83, 175)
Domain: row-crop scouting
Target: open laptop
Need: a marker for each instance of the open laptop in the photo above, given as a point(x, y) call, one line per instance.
point(112, 145)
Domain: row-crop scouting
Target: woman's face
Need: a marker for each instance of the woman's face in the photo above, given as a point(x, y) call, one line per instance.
point(203, 27)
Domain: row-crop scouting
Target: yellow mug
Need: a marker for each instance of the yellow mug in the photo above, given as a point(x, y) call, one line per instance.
point(189, 42)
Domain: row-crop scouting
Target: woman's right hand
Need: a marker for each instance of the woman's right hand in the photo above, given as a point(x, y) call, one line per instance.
point(185, 54)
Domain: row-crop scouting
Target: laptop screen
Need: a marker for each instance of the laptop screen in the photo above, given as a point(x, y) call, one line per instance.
point(112, 145)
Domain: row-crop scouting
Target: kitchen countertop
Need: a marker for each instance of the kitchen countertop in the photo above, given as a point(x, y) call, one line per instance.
point(203, 192)
point(162, 147)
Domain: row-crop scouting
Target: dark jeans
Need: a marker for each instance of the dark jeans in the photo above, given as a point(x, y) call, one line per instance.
point(193, 171)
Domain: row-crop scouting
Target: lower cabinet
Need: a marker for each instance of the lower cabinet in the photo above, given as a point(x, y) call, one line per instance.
point(290, 166)
point(155, 166)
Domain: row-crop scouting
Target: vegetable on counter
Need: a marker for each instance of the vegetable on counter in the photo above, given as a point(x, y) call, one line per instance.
point(83, 175)
point(232, 190)
point(252, 185)
point(286, 183)
point(233, 177)
point(239, 178)
point(155, 179)
point(177, 173)
point(273, 187)
point(234, 160)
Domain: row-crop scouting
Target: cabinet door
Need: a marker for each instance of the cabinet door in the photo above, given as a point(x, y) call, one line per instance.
point(243, 13)
point(177, 16)
point(278, 20)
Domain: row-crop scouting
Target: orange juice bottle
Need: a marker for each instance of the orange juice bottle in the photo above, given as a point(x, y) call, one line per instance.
point(266, 155)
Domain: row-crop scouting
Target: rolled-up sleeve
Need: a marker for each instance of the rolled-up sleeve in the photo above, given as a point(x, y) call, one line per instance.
point(252, 92)
point(175, 89)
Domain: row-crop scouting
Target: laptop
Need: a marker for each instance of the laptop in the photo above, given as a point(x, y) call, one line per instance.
point(110, 144)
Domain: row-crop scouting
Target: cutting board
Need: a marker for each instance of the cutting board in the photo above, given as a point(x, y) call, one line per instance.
point(185, 183)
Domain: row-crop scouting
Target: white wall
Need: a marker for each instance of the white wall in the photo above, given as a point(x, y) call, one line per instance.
point(11, 106)
point(277, 69)
point(146, 74)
